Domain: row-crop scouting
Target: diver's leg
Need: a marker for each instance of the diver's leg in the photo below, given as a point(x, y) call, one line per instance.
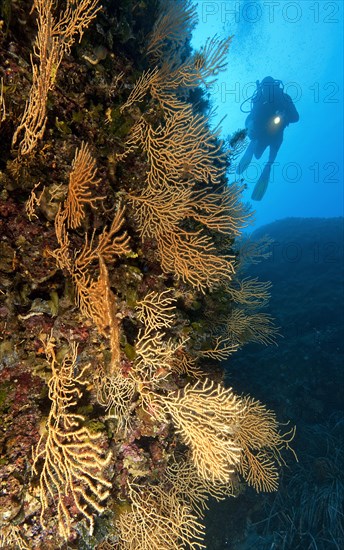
point(246, 158)
point(260, 148)
point(274, 147)
point(262, 184)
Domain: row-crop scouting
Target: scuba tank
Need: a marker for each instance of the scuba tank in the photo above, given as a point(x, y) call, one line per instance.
point(258, 92)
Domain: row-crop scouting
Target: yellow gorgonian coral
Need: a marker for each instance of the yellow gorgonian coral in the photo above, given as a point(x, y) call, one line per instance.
point(205, 415)
point(259, 437)
point(74, 464)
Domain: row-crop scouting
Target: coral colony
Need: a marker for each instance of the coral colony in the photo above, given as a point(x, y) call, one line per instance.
point(121, 284)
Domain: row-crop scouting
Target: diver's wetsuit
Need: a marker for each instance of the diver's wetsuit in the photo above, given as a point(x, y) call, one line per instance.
point(260, 122)
point(266, 130)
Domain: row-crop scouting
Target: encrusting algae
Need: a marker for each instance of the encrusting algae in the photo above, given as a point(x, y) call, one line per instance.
point(120, 286)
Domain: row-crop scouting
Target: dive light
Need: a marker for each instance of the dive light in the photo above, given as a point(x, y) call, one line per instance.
point(276, 121)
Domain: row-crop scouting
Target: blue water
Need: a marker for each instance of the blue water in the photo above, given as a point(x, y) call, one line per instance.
point(300, 43)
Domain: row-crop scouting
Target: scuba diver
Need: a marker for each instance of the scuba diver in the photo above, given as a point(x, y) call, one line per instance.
point(271, 111)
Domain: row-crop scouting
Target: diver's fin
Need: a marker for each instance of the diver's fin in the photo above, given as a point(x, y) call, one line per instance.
point(262, 184)
point(246, 159)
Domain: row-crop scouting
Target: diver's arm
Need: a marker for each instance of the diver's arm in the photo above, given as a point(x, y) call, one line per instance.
point(290, 111)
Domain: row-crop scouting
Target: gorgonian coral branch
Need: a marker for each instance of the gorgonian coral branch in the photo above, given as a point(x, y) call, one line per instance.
point(73, 458)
